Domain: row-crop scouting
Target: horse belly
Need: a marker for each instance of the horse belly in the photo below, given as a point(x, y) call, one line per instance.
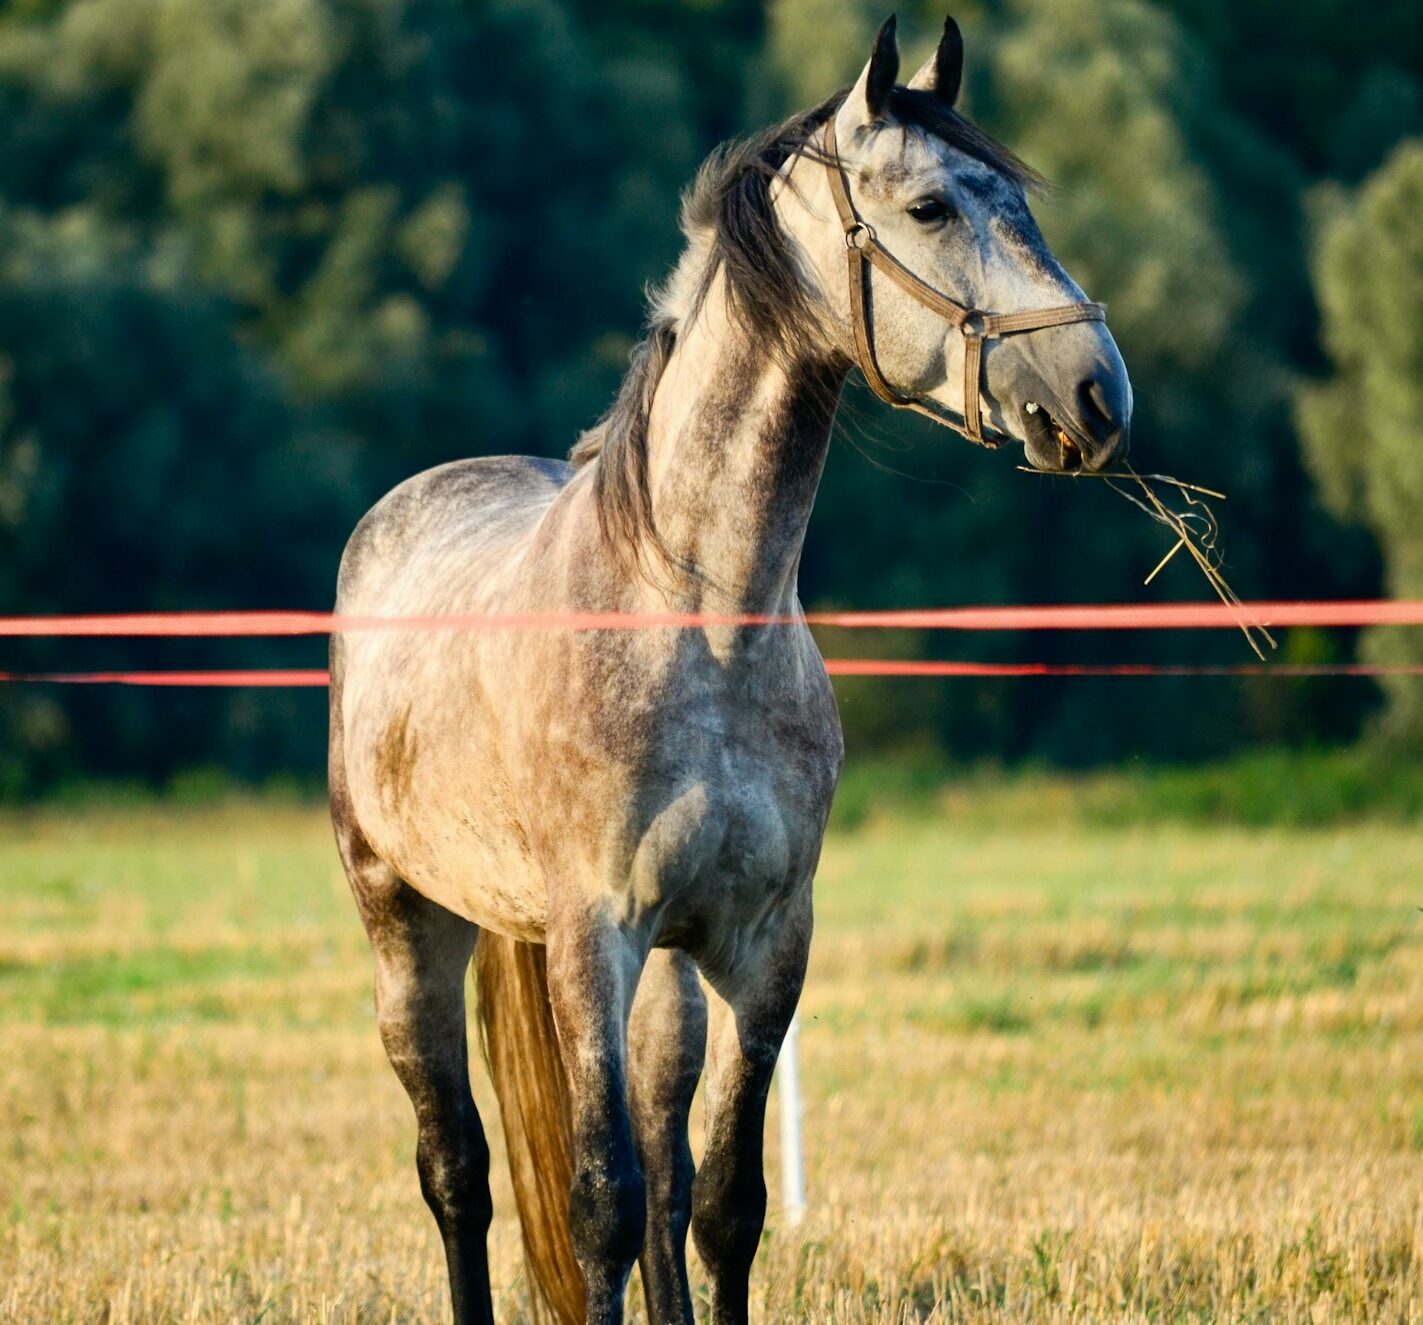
point(475, 861)
point(436, 807)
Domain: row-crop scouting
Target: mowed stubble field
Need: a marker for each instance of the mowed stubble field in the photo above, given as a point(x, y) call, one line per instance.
point(1052, 1072)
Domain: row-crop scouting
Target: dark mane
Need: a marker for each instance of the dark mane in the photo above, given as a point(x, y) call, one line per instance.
point(730, 200)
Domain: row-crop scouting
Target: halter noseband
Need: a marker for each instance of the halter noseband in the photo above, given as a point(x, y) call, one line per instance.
point(863, 251)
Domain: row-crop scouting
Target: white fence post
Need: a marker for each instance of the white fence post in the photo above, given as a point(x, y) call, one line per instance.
point(792, 1164)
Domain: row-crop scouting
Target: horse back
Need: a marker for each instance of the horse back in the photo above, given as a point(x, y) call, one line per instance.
point(466, 511)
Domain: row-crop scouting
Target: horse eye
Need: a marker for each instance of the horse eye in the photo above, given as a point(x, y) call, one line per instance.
point(928, 210)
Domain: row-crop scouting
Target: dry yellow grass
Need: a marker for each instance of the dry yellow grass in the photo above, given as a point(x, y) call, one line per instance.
point(1052, 1073)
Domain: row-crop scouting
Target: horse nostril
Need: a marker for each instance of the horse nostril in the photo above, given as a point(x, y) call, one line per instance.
point(1097, 414)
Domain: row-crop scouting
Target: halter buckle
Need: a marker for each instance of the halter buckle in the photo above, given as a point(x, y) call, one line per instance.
point(972, 327)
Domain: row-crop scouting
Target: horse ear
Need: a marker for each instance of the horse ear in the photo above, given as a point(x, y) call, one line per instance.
point(942, 72)
point(871, 91)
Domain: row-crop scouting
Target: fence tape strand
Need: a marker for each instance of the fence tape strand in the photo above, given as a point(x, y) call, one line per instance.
point(303, 677)
point(1108, 616)
point(1112, 616)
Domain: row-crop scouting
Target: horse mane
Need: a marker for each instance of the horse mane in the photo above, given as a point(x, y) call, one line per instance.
point(730, 224)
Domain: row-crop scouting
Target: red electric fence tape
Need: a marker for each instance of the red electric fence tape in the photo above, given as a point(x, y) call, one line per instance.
point(1117, 616)
point(835, 666)
point(1161, 616)
point(182, 680)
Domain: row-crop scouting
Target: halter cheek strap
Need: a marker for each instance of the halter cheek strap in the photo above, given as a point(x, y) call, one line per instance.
point(864, 252)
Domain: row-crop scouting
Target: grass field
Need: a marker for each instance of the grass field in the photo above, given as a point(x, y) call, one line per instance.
point(1054, 1070)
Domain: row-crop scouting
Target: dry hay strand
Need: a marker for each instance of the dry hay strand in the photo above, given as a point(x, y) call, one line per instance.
point(1196, 529)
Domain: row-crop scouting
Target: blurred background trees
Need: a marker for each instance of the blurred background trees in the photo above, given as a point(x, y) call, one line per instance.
point(1361, 427)
point(260, 259)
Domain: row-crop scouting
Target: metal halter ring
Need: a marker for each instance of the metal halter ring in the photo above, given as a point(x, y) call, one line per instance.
point(860, 234)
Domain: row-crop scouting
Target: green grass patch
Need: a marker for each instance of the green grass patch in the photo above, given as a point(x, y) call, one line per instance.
point(125, 989)
point(1267, 788)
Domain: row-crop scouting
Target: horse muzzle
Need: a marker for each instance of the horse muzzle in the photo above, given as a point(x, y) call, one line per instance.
point(1081, 424)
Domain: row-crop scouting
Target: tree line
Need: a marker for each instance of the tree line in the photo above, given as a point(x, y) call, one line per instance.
point(261, 259)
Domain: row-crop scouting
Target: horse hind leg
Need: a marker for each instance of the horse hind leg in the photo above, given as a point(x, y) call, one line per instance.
point(422, 953)
point(667, 1037)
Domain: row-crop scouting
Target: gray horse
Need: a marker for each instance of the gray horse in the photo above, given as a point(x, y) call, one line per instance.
point(622, 826)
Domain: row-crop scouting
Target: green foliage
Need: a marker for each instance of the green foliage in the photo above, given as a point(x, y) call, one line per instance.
point(260, 259)
point(1333, 84)
point(1362, 426)
point(819, 45)
point(1102, 96)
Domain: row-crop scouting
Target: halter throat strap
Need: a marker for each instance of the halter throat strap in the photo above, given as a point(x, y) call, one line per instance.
point(864, 254)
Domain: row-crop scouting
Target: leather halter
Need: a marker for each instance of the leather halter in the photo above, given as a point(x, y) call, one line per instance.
point(864, 251)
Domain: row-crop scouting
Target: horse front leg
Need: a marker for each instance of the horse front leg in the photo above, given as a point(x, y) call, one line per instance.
point(593, 970)
point(667, 1041)
point(751, 1010)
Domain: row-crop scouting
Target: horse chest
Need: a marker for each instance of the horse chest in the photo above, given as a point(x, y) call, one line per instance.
point(694, 807)
point(728, 844)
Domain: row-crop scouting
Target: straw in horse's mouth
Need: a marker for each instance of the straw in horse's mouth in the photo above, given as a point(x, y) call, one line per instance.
point(1047, 431)
point(1195, 528)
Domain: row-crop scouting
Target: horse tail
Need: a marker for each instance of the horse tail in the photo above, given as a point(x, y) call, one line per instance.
point(520, 1046)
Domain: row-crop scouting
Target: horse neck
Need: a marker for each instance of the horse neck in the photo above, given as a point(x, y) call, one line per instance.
point(737, 440)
